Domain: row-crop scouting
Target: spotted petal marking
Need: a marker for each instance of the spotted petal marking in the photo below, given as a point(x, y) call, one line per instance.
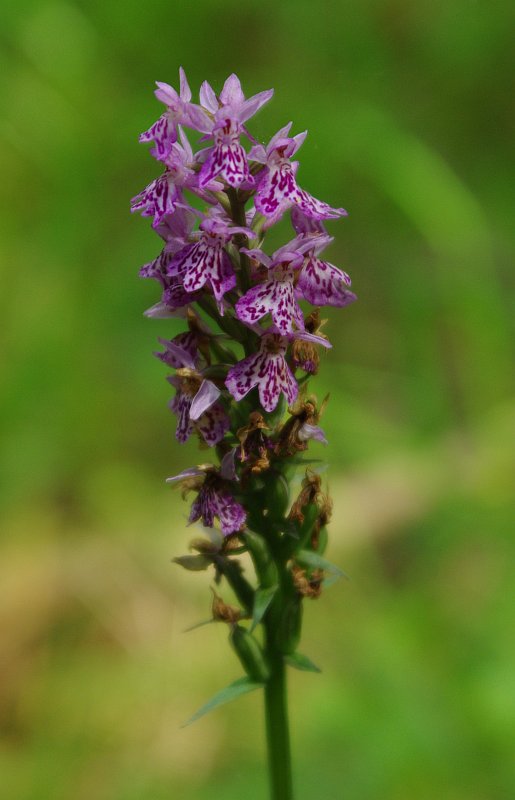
point(266, 370)
point(213, 424)
point(204, 261)
point(323, 284)
point(277, 297)
point(180, 405)
point(186, 342)
point(158, 199)
point(163, 133)
point(212, 502)
point(175, 296)
point(228, 161)
point(316, 209)
point(276, 191)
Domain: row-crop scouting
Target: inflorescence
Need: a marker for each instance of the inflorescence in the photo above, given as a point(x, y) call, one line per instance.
point(234, 385)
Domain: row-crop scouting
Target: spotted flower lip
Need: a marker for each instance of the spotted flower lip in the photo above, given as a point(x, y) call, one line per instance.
point(277, 188)
point(227, 158)
point(214, 499)
point(206, 261)
point(268, 369)
point(164, 195)
point(180, 111)
point(319, 282)
point(276, 295)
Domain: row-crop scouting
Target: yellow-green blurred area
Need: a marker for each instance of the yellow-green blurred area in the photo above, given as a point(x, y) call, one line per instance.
point(410, 112)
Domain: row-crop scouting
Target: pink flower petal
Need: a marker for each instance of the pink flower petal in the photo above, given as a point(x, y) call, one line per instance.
point(204, 399)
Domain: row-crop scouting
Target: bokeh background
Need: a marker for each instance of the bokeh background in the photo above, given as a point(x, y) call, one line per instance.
point(411, 118)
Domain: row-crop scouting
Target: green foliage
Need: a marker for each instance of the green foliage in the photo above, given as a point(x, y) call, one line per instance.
point(231, 692)
point(303, 663)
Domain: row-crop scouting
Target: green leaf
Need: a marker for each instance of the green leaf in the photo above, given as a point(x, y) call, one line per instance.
point(262, 600)
point(231, 692)
point(298, 661)
point(311, 559)
point(193, 563)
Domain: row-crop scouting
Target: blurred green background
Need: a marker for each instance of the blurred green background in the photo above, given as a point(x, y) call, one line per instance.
point(411, 118)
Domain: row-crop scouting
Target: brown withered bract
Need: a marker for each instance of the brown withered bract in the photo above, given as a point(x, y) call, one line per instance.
point(223, 612)
point(305, 355)
point(254, 449)
point(307, 586)
point(309, 493)
point(304, 411)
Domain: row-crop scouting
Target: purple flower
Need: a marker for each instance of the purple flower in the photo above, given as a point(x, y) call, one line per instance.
point(164, 194)
point(277, 189)
point(196, 400)
point(180, 111)
point(197, 407)
point(176, 231)
point(276, 295)
point(268, 370)
point(182, 349)
point(158, 198)
point(227, 159)
point(214, 499)
point(319, 282)
point(206, 261)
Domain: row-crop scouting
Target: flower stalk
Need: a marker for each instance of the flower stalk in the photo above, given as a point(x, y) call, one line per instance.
point(240, 373)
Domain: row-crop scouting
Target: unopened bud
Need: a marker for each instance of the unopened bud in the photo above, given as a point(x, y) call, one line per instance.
point(250, 653)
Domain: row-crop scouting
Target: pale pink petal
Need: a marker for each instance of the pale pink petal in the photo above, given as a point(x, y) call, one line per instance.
point(308, 431)
point(167, 95)
point(253, 104)
point(191, 472)
point(208, 98)
point(231, 93)
point(185, 91)
point(204, 399)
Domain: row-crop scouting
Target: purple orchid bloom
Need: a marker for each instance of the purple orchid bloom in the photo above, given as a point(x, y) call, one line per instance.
point(319, 282)
point(277, 189)
point(214, 499)
point(180, 111)
point(268, 370)
point(227, 159)
point(196, 400)
point(176, 231)
point(184, 344)
point(206, 260)
point(163, 196)
point(276, 295)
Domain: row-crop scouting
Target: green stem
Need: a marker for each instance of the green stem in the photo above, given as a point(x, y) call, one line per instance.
point(277, 730)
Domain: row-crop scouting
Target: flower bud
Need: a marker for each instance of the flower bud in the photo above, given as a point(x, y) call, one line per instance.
point(250, 653)
point(264, 564)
